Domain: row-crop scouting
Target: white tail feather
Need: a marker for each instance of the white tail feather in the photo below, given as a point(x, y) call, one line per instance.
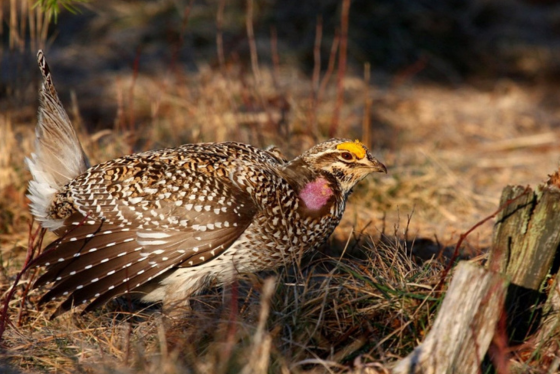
point(58, 156)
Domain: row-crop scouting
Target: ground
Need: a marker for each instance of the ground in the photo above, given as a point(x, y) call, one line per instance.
point(367, 297)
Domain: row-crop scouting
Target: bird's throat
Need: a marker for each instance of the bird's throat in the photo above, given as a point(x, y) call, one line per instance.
point(316, 194)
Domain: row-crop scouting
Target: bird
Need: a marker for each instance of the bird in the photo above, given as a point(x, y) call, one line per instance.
point(162, 225)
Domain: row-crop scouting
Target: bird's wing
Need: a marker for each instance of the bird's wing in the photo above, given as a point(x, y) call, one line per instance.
point(121, 240)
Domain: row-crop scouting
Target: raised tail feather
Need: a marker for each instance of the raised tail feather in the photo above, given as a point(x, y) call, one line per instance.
point(58, 156)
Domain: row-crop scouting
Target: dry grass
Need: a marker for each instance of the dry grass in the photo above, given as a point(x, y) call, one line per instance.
point(373, 304)
point(325, 315)
point(364, 298)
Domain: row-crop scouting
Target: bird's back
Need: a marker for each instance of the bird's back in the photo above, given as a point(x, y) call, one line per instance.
point(128, 220)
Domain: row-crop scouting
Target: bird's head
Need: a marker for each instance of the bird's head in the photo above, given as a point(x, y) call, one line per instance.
point(347, 161)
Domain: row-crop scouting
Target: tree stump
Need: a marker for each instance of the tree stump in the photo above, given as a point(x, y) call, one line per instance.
point(525, 251)
point(464, 327)
point(525, 247)
point(527, 235)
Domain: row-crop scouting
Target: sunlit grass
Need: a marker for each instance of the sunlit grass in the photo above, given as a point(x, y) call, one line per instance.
point(366, 298)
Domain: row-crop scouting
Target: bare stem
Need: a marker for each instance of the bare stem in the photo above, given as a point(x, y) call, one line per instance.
point(342, 53)
point(330, 68)
point(219, 34)
point(275, 56)
point(252, 43)
point(315, 82)
point(367, 104)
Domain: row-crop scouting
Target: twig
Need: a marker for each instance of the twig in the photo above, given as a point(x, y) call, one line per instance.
point(275, 57)
point(32, 21)
point(282, 125)
point(219, 34)
point(367, 104)
point(186, 15)
point(131, 118)
point(15, 39)
point(119, 117)
point(179, 44)
point(252, 43)
point(221, 58)
point(316, 77)
point(164, 351)
point(261, 341)
point(32, 245)
point(39, 235)
point(25, 293)
point(466, 234)
point(317, 54)
point(255, 66)
point(232, 323)
point(44, 27)
point(330, 67)
point(127, 336)
point(342, 54)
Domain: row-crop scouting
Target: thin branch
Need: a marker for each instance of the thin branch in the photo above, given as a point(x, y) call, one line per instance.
point(366, 122)
point(342, 54)
point(275, 56)
point(179, 44)
point(35, 240)
point(219, 34)
point(252, 43)
point(315, 82)
point(330, 67)
point(131, 113)
point(255, 68)
point(466, 234)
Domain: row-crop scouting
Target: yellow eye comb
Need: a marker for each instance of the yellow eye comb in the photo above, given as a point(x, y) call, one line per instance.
point(357, 148)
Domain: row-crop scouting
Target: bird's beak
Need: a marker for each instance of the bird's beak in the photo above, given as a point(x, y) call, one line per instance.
point(373, 164)
point(378, 166)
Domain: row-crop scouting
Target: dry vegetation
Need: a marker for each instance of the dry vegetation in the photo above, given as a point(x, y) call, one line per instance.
point(366, 299)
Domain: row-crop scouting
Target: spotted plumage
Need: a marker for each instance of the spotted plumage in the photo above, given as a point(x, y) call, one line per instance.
point(162, 223)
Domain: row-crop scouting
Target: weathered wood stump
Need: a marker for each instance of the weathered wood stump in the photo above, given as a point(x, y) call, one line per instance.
point(525, 251)
point(527, 235)
point(525, 246)
point(464, 327)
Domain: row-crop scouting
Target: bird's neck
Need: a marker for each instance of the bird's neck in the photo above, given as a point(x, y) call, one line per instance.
point(317, 191)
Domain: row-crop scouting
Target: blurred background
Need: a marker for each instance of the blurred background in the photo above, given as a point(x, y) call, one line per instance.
point(459, 97)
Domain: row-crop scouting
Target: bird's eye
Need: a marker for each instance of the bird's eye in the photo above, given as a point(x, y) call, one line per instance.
point(347, 156)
